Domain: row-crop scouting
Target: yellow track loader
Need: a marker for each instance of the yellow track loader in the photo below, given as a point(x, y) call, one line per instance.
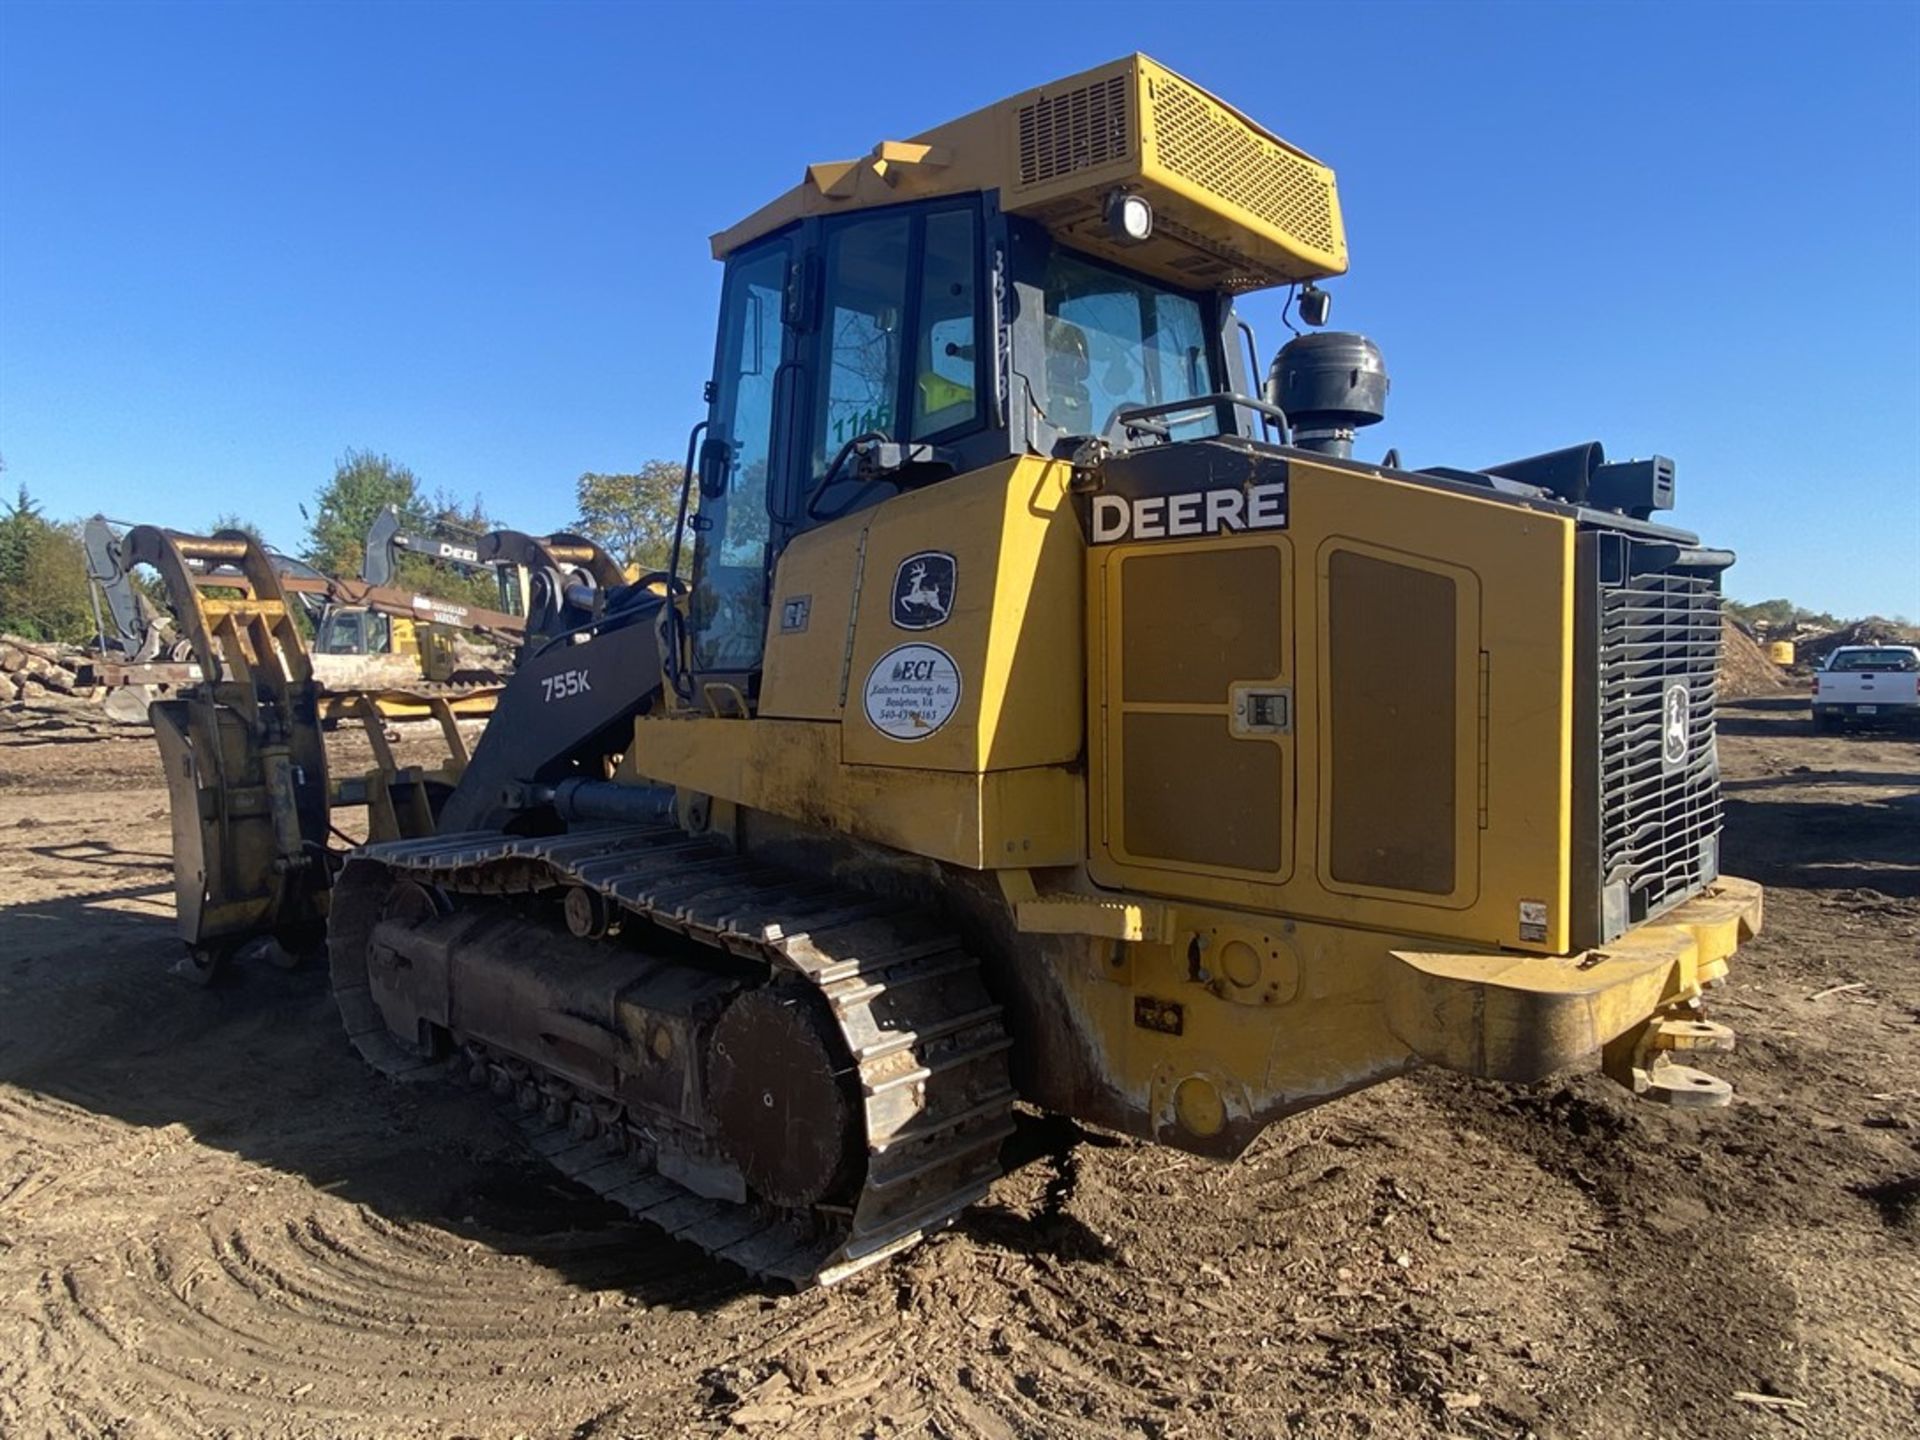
point(1056, 712)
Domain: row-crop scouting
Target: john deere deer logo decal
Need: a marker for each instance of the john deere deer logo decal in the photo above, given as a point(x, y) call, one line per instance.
point(1673, 725)
point(923, 590)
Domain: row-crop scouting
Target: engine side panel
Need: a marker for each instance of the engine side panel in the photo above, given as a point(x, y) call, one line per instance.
point(1359, 710)
point(793, 769)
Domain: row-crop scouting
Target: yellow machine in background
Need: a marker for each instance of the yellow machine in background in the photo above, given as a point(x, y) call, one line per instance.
point(362, 648)
point(370, 637)
point(1056, 713)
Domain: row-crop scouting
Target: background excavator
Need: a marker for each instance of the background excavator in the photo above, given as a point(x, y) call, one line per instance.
point(1054, 713)
point(370, 634)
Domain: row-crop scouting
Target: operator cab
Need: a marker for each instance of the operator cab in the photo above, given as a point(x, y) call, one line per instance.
point(353, 630)
point(873, 353)
point(1014, 282)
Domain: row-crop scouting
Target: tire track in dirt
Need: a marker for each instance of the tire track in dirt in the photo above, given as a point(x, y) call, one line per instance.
point(320, 1319)
point(234, 1209)
point(44, 1143)
point(1142, 1293)
point(1175, 1294)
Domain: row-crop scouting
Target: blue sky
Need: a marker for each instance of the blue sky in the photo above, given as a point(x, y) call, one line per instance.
point(237, 240)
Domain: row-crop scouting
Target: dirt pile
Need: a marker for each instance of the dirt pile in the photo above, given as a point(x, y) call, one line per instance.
point(1874, 630)
point(1744, 666)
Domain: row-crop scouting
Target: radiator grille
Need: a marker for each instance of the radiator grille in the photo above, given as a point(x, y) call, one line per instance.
point(1075, 130)
point(1218, 152)
point(1659, 637)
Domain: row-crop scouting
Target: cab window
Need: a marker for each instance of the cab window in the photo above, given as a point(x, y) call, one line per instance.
point(945, 394)
point(898, 332)
point(727, 606)
point(865, 311)
point(1899, 660)
point(340, 634)
point(1114, 341)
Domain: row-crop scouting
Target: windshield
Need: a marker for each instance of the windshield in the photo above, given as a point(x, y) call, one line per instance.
point(353, 632)
point(1116, 340)
point(1876, 660)
point(340, 634)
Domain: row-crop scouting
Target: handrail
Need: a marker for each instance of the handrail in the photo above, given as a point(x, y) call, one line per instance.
point(1128, 417)
point(686, 496)
point(671, 618)
point(1245, 328)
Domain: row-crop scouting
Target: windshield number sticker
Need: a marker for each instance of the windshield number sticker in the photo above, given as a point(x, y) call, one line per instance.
point(565, 685)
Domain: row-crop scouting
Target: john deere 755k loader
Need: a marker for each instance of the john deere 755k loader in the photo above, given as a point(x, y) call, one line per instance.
point(1055, 713)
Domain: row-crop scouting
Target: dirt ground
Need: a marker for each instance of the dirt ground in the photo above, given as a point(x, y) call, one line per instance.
point(215, 1221)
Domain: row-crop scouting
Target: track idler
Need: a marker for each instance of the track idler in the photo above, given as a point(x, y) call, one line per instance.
point(780, 1089)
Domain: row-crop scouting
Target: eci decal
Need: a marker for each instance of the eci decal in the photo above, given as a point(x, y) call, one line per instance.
point(912, 691)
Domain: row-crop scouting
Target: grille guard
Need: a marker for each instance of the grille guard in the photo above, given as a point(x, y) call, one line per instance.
point(1646, 785)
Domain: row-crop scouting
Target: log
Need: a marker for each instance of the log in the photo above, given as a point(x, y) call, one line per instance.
point(29, 648)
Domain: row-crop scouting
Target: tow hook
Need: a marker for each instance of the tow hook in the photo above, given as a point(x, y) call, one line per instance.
point(1642, 1059)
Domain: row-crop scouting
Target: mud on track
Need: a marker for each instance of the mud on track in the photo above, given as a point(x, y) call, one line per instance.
point(214, 1221)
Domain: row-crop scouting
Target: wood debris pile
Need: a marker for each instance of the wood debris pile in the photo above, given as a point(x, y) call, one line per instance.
point(1744, 666)
point(33, 671)
point(46, 687)
point(1874, 630)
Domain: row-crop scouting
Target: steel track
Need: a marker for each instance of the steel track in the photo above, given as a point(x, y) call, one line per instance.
point(926, 1041)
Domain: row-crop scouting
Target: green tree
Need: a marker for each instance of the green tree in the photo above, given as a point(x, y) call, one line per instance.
point(364, 483)
point(18, 529)
point(228, 520)
point(43, 575)
point(631, 515)
point(456, 519)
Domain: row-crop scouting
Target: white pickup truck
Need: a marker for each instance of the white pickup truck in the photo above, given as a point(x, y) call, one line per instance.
point(1879, 683)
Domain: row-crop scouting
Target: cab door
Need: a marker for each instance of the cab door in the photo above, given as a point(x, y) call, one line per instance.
point(738, 463)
